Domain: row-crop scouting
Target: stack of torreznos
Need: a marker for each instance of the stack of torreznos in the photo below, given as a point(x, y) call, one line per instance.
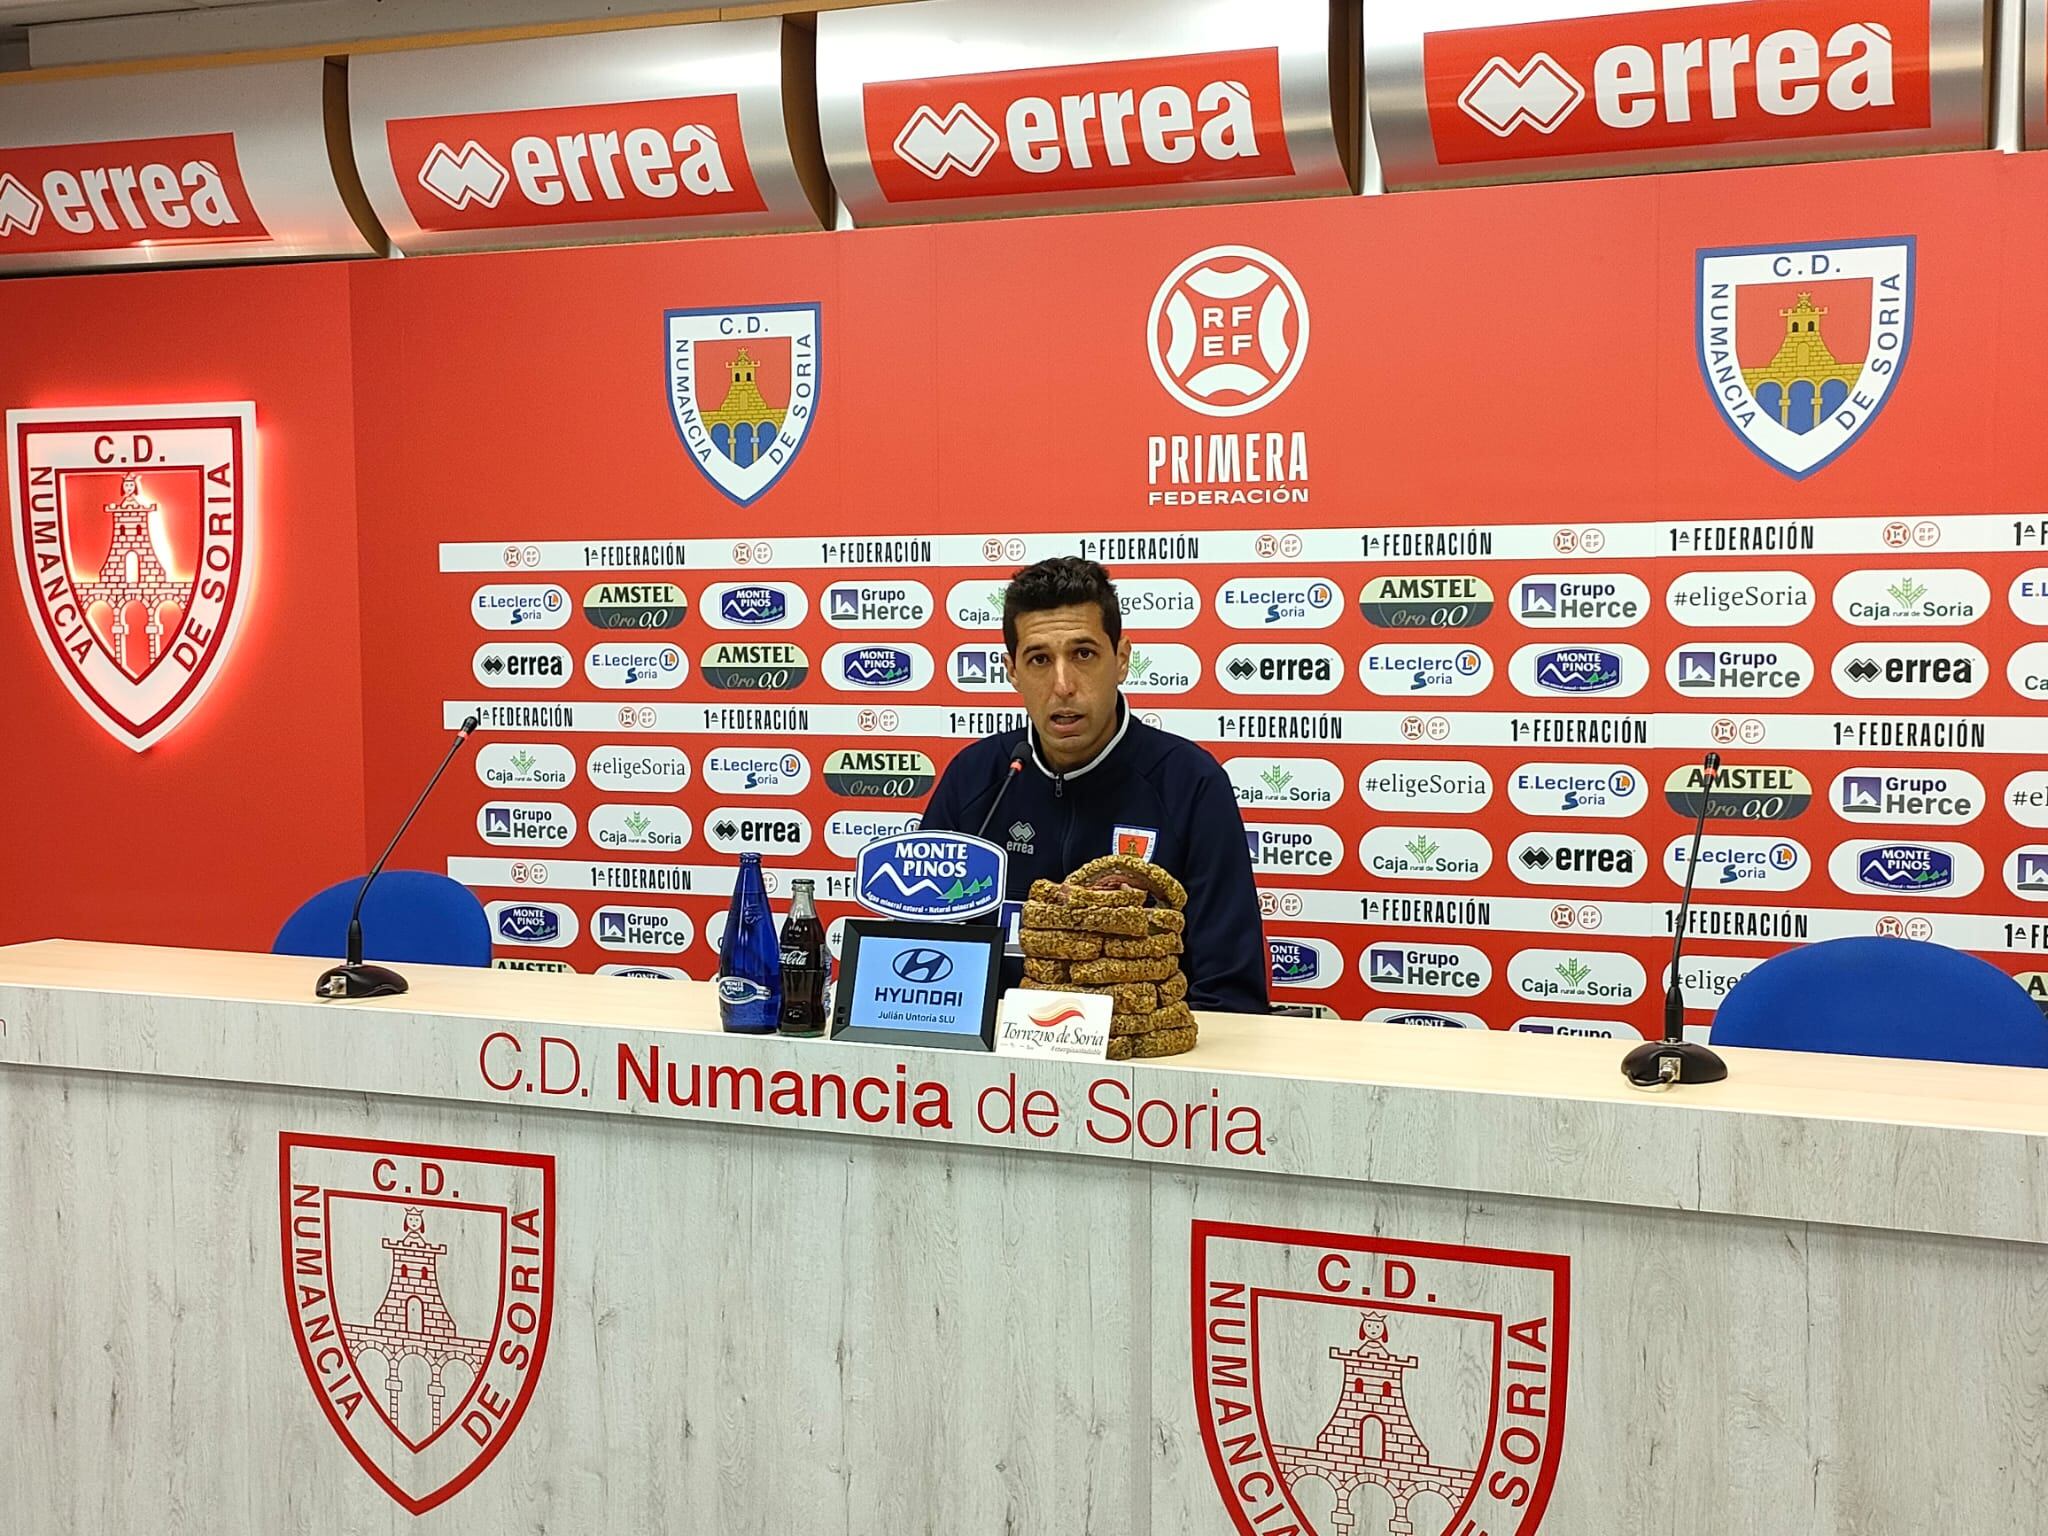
point(1114, 926)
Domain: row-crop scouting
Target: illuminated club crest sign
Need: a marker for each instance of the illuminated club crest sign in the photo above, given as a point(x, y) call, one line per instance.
point(132, 541)
point(1801, 345)
point(743, 391)
point(1348, 1384)
point(420, 1282)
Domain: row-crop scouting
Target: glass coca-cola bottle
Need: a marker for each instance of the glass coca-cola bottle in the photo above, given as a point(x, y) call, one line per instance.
point(805, 964)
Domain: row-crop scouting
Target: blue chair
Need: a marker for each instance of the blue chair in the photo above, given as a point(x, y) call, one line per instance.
point(410, 916)
point(1885, 997)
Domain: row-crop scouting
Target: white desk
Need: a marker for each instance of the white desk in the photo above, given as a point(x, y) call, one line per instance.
point(1810, 1299)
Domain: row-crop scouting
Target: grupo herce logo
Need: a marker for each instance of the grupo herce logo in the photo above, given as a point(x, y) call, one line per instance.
point(1337, 1374)
point(743, 391)
point(1800, 345)
point(400, 1254)
point(132, 542)
point(1228, 331)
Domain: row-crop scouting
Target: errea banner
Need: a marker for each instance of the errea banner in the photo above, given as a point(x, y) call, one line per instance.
point(91, 197)
point(983, 106)
point(1122, 123)
point(185, 166)
point(672, 158)
point(1463, 98)
point(650, 134)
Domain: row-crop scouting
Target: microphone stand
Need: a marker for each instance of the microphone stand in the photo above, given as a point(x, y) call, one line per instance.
point(1015, 766)
point(1660, 1064)
point(355, 979)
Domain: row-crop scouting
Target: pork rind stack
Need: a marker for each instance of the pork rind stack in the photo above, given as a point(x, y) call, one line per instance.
point(1114, 926)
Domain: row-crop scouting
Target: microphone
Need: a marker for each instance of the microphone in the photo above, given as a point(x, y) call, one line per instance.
point(355, 979)
point(1017, 755)
point(1659, 1064)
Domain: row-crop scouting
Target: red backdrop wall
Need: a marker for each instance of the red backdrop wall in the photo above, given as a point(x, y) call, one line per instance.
point(211, 837)
point(1492, 359)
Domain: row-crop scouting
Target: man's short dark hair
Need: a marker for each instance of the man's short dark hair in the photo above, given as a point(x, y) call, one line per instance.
point(1060, 582)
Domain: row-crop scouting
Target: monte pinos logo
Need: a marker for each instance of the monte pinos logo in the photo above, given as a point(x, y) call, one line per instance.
point(132, 541)
point(1800, 346)
point(1349, 1383)
point(420, 1285)
point(743, 391)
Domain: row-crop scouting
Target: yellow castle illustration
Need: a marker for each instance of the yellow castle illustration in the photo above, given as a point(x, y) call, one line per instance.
point(744, 423)
point(1803, 357)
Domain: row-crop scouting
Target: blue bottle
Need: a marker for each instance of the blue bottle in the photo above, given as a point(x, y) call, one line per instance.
point(750, 967)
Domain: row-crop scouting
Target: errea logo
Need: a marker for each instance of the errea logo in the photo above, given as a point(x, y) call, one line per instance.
point(1161, 122)
point(121, 193)
point(604, 162)
point(1690, 76)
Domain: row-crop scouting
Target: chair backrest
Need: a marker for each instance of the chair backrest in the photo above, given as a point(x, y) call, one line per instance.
point(411, 915)
point(1885, 997)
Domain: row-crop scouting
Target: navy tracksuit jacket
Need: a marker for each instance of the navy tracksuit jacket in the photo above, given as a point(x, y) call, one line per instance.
point(1163, 789)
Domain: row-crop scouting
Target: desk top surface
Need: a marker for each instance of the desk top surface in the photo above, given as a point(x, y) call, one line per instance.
point(1790, 1083)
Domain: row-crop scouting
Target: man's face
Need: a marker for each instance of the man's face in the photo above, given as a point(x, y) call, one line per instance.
point(1069, 673)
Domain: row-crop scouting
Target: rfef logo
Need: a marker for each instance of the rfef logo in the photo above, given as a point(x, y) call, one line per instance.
point(1800, 345)
point(1292, 1329)
point(398, 1253)
point(933, 875)
point(122, 193)
point(1228, 331)
point(1689, 77)
point(603, 163)
point(131, 538)
point(743, 390)
point(1167, 122)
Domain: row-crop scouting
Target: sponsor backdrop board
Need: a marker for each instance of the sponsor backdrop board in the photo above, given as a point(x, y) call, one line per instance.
point(1457, 526)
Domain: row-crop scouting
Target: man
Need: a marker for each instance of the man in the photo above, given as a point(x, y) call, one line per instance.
point(1095, 780)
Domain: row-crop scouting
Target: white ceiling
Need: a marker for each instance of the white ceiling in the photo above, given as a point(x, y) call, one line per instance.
point(21, 13)
point(60, 32)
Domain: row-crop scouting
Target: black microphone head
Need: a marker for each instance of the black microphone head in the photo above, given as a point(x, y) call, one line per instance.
point(1710, 769)
point(1021, 751)
point(472, 722)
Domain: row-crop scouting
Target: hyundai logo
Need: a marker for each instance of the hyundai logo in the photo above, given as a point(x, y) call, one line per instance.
point(924, 967)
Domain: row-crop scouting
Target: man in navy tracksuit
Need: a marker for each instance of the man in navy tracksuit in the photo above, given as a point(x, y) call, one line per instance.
point(1094, 780)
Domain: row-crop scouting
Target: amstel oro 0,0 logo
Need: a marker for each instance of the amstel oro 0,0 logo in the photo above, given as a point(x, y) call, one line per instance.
point(1315, 1354)
point(635, 605)
point(1742, 792)
point(430, 1257)
point(863, 773)
point(754, 666)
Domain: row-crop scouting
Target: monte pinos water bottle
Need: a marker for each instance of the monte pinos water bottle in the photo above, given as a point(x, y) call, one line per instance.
point(750, 962)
